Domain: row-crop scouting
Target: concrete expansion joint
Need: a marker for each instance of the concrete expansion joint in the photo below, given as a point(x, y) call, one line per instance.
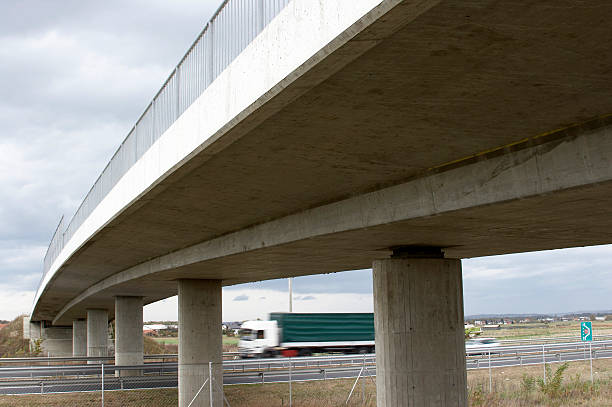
point(416, 252)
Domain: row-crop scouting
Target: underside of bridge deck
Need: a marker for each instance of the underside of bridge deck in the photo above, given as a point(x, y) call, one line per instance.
point(468, 112)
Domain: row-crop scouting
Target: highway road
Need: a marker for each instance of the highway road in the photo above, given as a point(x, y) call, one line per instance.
point(78, 378)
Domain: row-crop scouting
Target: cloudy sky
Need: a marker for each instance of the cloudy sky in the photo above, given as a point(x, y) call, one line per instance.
point(75, 76)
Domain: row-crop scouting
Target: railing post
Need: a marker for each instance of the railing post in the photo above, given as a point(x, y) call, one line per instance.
point(177, 85)
point(262, 4)
point(290, 389)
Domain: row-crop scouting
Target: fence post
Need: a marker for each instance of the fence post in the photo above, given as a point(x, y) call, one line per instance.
point(290, 389)
point(363, 381)
point(210, 383)
point(490, 375)
point(591, 357)
point(544, 362)
point(102, 368)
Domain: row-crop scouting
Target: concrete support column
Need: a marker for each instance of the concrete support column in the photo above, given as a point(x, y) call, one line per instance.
point(97, 332)
point(128, 334)
point(56, 340)
point(79, 337)
point(200, 341)
point(420, 347)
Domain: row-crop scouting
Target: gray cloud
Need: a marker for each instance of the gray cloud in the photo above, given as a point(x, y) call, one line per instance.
point(241, 297)
point(74, 78)
point(357, 281)
point(547, 282)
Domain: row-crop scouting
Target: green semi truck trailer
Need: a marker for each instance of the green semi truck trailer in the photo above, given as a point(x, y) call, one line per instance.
point(300, 334)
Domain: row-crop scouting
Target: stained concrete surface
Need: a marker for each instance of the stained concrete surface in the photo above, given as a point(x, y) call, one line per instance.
point(457, 81)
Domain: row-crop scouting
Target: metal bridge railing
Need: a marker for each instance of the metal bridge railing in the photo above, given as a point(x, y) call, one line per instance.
point(235, 24)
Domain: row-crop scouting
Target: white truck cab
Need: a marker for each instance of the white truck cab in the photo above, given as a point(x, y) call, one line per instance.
point(257, 338)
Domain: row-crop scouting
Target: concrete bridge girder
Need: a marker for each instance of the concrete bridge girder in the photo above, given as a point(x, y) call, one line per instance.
point(347, 132)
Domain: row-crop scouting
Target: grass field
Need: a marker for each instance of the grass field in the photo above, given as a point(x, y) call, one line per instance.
point(230, 343)
point(539, 330)
point(174, 340)
point(166, 341)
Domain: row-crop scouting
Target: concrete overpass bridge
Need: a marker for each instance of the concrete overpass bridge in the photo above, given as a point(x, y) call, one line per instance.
point(308, 136)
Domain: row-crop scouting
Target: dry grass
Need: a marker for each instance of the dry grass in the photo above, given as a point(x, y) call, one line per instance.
point(569, 328)
point(508, 391)
point(152, 347)
point(12, 343)
point(230, 343)
point(132, 398)
point(306, 394)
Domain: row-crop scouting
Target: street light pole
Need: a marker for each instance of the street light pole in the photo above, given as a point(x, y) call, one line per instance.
point(290, 294)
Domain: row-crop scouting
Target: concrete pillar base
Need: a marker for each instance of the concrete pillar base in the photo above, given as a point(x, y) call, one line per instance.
point(79, 337)
point(420, 346)
point(56, 340)
point(128, 334)
point(97, 333)
point(200, 342)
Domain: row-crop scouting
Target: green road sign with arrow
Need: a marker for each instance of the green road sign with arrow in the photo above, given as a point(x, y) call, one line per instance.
point(586, 331)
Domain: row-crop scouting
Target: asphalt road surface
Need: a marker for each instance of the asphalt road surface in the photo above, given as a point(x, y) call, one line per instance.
point(61, 379)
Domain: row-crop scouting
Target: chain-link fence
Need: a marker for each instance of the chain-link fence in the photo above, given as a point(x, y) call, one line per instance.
point(99, 384)
point(202, 385)
point(331, 380)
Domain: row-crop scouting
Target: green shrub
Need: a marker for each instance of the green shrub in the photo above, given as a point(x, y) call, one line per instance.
point(552, 386)
point(477, 396)
point(527, 383)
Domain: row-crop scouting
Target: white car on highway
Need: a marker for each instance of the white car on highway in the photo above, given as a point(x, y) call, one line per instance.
point(477, 346)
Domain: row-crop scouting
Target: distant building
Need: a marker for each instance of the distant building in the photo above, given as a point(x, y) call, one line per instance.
point(232, 327)
point(156, 329)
